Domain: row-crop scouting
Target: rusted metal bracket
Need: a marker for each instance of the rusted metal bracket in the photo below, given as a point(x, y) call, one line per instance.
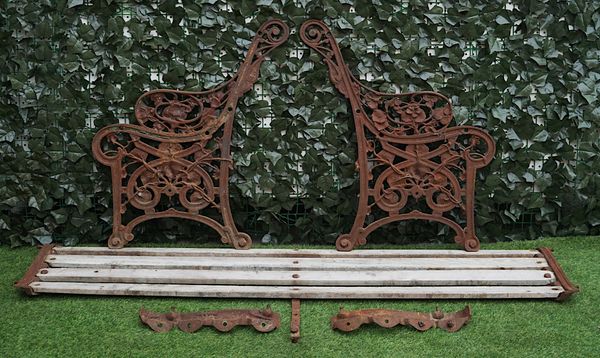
point(176, 161)
point(224, 320)
point(38, 264)
point(350, 320)
point(561, 278)
point(412, 165)
point(295, 321)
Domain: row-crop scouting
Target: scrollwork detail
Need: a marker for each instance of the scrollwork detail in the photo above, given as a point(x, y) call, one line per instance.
point(408, 153)
point(176, 161)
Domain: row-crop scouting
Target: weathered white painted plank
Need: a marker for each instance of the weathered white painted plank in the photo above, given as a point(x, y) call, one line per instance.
point(300, 264)
point(155, 251)
point(307, 292)
point(304, 278)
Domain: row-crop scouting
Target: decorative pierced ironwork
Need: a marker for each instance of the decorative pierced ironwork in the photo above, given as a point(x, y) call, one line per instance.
point(407, 153)
point(176, 162)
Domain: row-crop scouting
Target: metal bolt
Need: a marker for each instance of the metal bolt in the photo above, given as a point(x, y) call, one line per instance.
point(421, 324)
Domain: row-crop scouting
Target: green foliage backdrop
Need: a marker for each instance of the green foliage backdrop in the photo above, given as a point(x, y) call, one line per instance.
point(527, 71)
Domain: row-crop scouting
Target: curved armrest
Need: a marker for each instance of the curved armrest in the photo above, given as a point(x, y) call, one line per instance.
point(175, 111)
point(383, 113)
point(184, 112)
point(113, 142)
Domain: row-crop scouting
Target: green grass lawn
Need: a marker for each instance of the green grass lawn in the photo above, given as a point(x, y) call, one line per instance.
point(69, 326)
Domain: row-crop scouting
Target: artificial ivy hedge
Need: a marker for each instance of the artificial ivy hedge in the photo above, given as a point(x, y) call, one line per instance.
point(531, 79)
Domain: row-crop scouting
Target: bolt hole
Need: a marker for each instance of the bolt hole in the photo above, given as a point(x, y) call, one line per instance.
point(224, 323)
point(295, 275)
point(347, 323)
point(53, 258)
point(295, 262)
point(230, 108)
point(357, 110)
point(387, 321)
point(264, 324)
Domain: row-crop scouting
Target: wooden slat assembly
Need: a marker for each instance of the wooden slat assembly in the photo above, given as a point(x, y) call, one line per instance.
point(302, 274)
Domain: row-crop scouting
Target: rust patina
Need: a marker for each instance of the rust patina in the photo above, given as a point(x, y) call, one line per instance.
point(351, 320)
point(175, 162)
point(295, 321)
point(412, 164)
point(223, 320)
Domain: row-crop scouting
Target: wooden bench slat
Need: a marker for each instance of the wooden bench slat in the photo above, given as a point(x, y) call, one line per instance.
point(304, 278)
point(321, 253)
point(306, 292)
point(301, 264)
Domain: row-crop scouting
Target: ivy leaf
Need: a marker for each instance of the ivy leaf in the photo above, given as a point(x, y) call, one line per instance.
point(501, 20)
point(542, 136)
point(344, 24)
point(73, 3)
point(500, 113)
point(513, 178)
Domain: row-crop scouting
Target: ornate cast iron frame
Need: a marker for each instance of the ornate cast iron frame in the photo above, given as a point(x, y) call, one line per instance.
point(406, 153)
point(176, 161)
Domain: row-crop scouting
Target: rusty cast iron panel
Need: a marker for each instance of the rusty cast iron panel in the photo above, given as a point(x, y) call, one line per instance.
point(412, 164)
point(351, 320)
point(176, 161)
point(223, 320)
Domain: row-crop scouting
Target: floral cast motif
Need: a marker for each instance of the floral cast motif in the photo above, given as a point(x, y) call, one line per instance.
point(408, 114)
point(407, 153)
point(176, 161)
